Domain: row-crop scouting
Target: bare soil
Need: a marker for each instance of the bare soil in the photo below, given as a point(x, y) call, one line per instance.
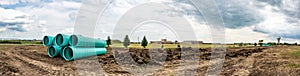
point(32, 60)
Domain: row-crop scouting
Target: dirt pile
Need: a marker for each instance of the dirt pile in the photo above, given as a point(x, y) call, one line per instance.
point(140, 56)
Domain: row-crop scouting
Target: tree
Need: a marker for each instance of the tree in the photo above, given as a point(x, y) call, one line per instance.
point(108, 41)
point(178, 45)
point(144, 42)
point(272, 43)
point(126, 41)
point(176, 42)
point(260, 42)
point(241, 44)
point(278, 40)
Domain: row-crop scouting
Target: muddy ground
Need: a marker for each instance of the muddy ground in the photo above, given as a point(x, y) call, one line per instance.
point(32, 60)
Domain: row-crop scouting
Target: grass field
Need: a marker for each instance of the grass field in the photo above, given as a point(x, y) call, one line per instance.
point(119, 45)
point(23, 42)
point(293, 52)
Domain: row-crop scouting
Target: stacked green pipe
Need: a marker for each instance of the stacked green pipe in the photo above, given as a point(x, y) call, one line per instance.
point(48, 40)
point(62, 40)
point(54, 51)
point(74, 46)
point(81, 41)
point(71, 53)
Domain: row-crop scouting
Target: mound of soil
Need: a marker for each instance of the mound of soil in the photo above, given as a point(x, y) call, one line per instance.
point(140, 56)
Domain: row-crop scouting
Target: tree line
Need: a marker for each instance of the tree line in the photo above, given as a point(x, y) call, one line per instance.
point(126, 42)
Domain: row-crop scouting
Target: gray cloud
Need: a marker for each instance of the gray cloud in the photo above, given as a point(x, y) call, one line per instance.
point(289, 25)
point(289, 7)
point(235, 13)
point(246, 13)
point(16, 26)
point(272, 2)
point(238, 14)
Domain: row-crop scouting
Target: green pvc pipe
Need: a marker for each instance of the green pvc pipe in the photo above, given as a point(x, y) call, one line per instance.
point(62, 40)
point(81, 41)
point(54, 51)
point(71, 53)
point(61, 51)
point(48, 40)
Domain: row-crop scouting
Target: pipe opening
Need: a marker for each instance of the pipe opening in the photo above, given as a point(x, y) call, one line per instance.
point(51, 51)
point(68, 53)
point(46, 40)
point(59, 39)
point(61, 51)
point(74, 40)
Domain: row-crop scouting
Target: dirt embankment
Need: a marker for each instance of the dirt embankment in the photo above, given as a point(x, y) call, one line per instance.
point(33, 60)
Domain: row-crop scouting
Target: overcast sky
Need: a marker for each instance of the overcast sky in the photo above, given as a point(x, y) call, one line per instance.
point(244, 20)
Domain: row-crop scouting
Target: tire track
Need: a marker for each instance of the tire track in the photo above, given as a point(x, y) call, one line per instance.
point(43, 58)
point(34, 68)
point(39, 66)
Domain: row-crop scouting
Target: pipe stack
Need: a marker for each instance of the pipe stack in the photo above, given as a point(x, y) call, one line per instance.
point(74, 46)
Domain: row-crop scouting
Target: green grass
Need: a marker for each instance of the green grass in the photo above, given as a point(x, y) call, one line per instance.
point(296, 48)
point(120, 45)
point(18, 42)
point(1, 49)
point(294, 52)
point(293, 65)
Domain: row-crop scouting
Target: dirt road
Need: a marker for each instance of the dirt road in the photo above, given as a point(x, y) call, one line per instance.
point(27, 60)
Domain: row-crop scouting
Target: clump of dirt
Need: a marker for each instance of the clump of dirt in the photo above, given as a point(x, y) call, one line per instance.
point(141, 56)
point(6, 69)
point(173, 54)
point(243, 52)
